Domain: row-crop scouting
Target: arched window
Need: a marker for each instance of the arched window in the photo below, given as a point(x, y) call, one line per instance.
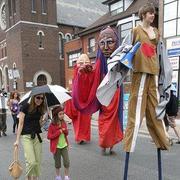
point(61, 44)
point(43, 6)
point(40, 39)
point(68, 37)
point(41, 80)
point(33, 6)
point(1, 79)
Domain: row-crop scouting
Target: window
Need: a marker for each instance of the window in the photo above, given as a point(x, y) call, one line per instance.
point(171, 18)
point(91, 45)
point(124, 30)
point(61, 45)
point(178, 33)
point(33, 7)
point(170, 11)
point(2, 52)
point(44, 6)
point(5, 51)
point(72, 58)
point(127, 3)
point(10, 7)
point(167, 1)
point(40, 39)
point(116, 7)
point(170, 28)
point(68, 37)
point(14, 6)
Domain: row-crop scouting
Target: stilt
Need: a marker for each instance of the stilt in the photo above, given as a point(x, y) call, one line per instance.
point(159, 164)
point(126, 166)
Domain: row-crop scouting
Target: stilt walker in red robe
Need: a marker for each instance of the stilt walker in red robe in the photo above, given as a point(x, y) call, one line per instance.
point(81, 121)
point(85, 84)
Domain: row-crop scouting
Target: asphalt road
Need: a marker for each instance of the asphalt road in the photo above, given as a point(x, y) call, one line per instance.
point(88, 164)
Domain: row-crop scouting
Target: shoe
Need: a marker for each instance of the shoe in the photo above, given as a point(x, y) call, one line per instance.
point(58, 178)
point(0, 134)
point(66, 178)
point(4, 134)
point(178, 142)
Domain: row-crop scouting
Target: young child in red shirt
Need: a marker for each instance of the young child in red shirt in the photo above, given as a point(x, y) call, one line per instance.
point(57, 134)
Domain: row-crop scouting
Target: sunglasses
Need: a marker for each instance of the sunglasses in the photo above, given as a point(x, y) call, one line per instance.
point(39, 98)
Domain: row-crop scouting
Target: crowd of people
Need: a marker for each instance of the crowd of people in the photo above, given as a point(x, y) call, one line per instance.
point(29, 117)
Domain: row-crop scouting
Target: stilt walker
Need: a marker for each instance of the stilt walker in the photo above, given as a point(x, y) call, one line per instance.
point(145, 90)
point(85, 84)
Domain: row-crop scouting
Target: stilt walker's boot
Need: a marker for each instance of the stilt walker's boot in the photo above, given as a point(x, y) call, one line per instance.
point(126, 166)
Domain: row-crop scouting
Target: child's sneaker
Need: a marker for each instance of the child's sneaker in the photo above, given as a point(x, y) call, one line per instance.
point(66, 178)
point(58, 178)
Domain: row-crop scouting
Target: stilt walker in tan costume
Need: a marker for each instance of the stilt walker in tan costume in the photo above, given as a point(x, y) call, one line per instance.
point(144, 95)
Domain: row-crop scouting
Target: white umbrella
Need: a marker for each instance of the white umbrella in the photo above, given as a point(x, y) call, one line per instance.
point(54, 94)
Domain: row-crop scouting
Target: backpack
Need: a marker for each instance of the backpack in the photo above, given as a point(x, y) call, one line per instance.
point(172, 106)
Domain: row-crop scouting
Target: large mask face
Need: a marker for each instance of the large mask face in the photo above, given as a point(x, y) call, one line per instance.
point(107, 41)
point(84, 63)
point(83, 60)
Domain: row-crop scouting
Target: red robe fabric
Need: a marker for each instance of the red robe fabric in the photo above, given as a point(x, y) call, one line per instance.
point(110, 132)
point(81, 122)
point(84, 90)
point(109, 125)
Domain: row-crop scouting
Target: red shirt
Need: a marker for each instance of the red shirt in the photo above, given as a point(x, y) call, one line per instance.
point(54, 133)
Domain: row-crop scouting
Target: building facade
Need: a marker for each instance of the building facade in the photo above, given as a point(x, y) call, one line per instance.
point(32, 37)
point(122, 15)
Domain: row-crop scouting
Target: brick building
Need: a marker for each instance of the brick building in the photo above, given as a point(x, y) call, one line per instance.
point(32, 37)
point(122, 15)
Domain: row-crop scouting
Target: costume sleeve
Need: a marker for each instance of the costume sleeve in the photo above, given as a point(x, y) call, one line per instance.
point(84, 91)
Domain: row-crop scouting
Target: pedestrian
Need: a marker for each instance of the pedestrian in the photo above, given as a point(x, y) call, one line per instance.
point(57, 134)
point(3, 125)
point(29, 129)
point(14, 108)
point(171, 112)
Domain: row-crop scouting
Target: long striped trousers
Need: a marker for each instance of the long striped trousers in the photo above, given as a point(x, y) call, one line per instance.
point(142, 103)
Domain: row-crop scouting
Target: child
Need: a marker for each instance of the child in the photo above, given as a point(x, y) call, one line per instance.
point(57, 134)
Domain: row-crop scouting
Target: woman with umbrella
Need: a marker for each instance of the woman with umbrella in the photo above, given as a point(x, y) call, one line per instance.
point(29, 129)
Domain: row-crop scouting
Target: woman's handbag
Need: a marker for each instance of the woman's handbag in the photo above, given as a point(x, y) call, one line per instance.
point(15, 169)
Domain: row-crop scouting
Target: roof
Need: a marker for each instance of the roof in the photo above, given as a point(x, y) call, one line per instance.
point(108, 19)
point(79, 13)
